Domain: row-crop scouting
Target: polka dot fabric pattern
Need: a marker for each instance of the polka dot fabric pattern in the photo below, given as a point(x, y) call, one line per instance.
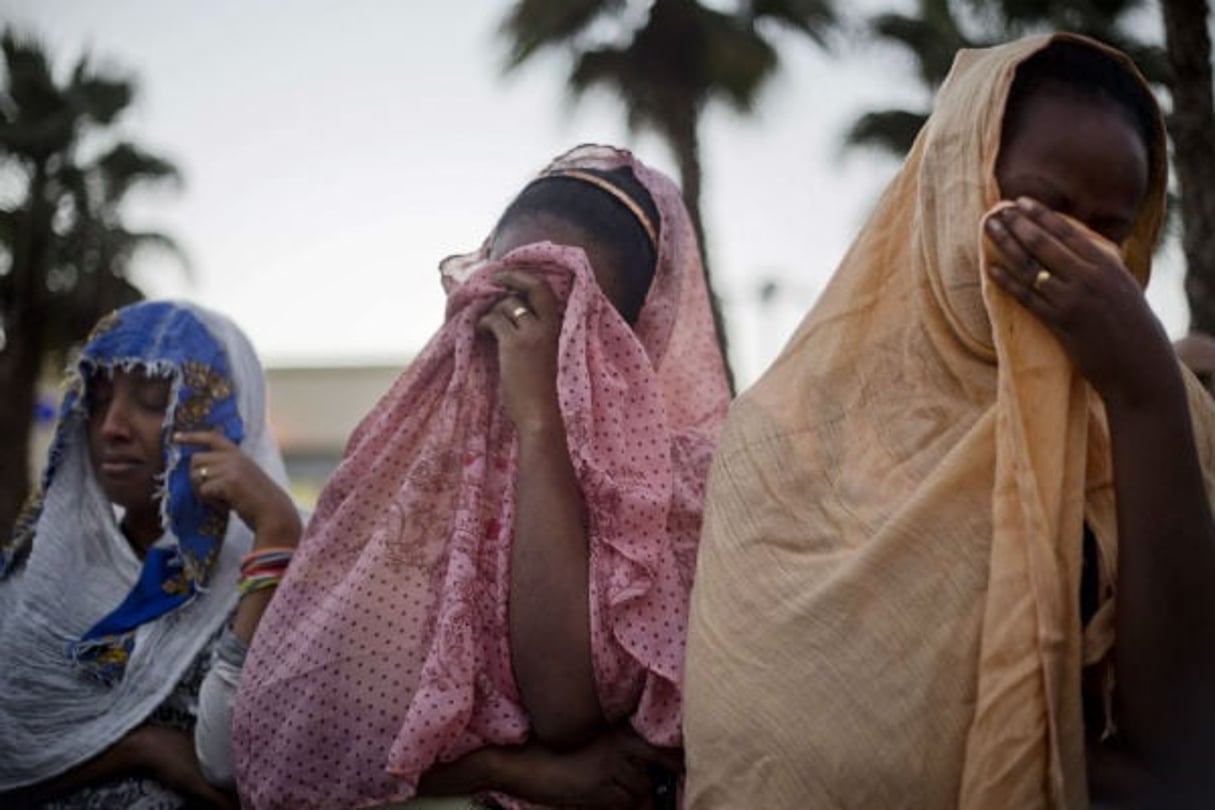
point(386, 648)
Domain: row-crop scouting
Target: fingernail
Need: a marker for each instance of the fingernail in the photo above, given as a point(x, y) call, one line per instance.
point(1026, 204)
point(993, 225)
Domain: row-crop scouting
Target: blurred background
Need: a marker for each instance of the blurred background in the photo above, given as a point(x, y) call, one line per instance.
point(304, 166)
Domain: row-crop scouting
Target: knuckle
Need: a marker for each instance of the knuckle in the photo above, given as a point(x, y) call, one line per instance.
point(1035, 241)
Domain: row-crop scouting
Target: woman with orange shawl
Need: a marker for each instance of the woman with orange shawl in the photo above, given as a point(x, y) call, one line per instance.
point(492, 594)
point(958, 545)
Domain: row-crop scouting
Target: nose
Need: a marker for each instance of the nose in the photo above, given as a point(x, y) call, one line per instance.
point(116, 419)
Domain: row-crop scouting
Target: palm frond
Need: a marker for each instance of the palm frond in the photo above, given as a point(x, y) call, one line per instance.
point(736, 61)
point(618, 71)
point(37, 118)
point(933, 41)
point(126, 165)
point(814, 18)
point(533, 25)
point(890, 131)
point(100, 97)
point(30, 82)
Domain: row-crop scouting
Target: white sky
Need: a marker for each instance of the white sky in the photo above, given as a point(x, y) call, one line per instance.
point(333, 152)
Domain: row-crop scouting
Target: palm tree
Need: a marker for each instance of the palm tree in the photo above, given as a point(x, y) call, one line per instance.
point(940, 27)
point(66, 251)
point(1192, 128)
point(666, 63)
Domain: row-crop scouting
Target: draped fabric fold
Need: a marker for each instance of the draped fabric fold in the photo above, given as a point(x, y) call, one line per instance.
point(94, 638)
point(885, 611)
point(386, 648)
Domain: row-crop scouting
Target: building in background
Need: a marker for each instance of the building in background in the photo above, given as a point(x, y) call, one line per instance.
point(314, 409)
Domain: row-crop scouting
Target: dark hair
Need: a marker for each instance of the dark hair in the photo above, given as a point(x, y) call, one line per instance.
point(605, 218)
point(1080, 72)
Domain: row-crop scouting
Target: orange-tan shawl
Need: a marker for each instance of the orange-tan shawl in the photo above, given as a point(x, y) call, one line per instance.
point(886, 604)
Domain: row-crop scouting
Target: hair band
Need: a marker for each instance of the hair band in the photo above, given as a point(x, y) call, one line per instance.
point(625, 199)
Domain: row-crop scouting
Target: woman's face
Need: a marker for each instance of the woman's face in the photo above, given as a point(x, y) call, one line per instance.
point(126, 435)
point(528, 229)
point(1083, 158)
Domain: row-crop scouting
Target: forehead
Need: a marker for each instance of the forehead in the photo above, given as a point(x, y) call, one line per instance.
point(527, 229)
point(140, 378)
point(1088, 150)
point(1063, 127)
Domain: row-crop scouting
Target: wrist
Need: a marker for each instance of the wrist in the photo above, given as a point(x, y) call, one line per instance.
point(277, 535)
point(133, 751)
point(282, 527)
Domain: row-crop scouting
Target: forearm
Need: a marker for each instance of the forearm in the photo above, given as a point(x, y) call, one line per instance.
point(471, 774)
point(549, 600)
point(1165, 594)
point(280, 531)
point(119, 760)
point(249, 613)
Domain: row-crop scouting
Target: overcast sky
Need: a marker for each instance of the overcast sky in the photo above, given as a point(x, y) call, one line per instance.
point(333, 152)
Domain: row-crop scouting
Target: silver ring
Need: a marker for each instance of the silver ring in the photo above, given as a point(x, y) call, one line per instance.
point(519, 312)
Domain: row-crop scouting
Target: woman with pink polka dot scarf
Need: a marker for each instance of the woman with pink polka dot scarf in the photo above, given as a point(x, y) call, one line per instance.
point(491, 599)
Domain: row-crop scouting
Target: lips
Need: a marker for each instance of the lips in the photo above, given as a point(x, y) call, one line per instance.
point(119, 466)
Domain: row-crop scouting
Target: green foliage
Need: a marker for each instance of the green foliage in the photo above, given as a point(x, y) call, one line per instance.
point(667, 64)
point(890, 131)
point(62, 228)
point(940, 27)
point(532, 25)
point(65, 250)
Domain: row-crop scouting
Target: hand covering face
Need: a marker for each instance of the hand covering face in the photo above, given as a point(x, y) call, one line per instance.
point(386, 649)
point(886, 605)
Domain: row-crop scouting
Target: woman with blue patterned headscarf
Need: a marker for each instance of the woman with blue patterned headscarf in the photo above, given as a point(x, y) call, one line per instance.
point(121, 576)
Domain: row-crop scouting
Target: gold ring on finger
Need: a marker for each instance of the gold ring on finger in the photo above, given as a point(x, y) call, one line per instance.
point(1040, 279)
point(202, 473)
point(519, 312)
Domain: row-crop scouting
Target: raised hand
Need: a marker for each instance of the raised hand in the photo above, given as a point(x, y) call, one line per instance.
point(526, 323)
point(1083, 293)
point(222, 475)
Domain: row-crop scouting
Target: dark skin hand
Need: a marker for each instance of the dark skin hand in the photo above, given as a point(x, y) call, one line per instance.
point(234, 481)
point(158, 752)
point(550, 624)
point(610, 773)
point(1165, 608)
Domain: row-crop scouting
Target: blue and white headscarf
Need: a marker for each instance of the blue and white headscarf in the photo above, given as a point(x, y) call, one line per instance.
point(94, 637)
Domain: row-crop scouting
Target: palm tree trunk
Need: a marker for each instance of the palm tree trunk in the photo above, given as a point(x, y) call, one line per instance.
point(685, 142)
point(18, 379)
point(1192, 127)
point(21, 358)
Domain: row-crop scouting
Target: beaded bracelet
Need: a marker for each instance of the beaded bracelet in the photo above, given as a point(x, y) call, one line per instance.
point(263, 569)
point(270, 557)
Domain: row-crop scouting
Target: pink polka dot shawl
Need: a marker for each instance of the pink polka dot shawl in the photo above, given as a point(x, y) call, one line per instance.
point(386, 648)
